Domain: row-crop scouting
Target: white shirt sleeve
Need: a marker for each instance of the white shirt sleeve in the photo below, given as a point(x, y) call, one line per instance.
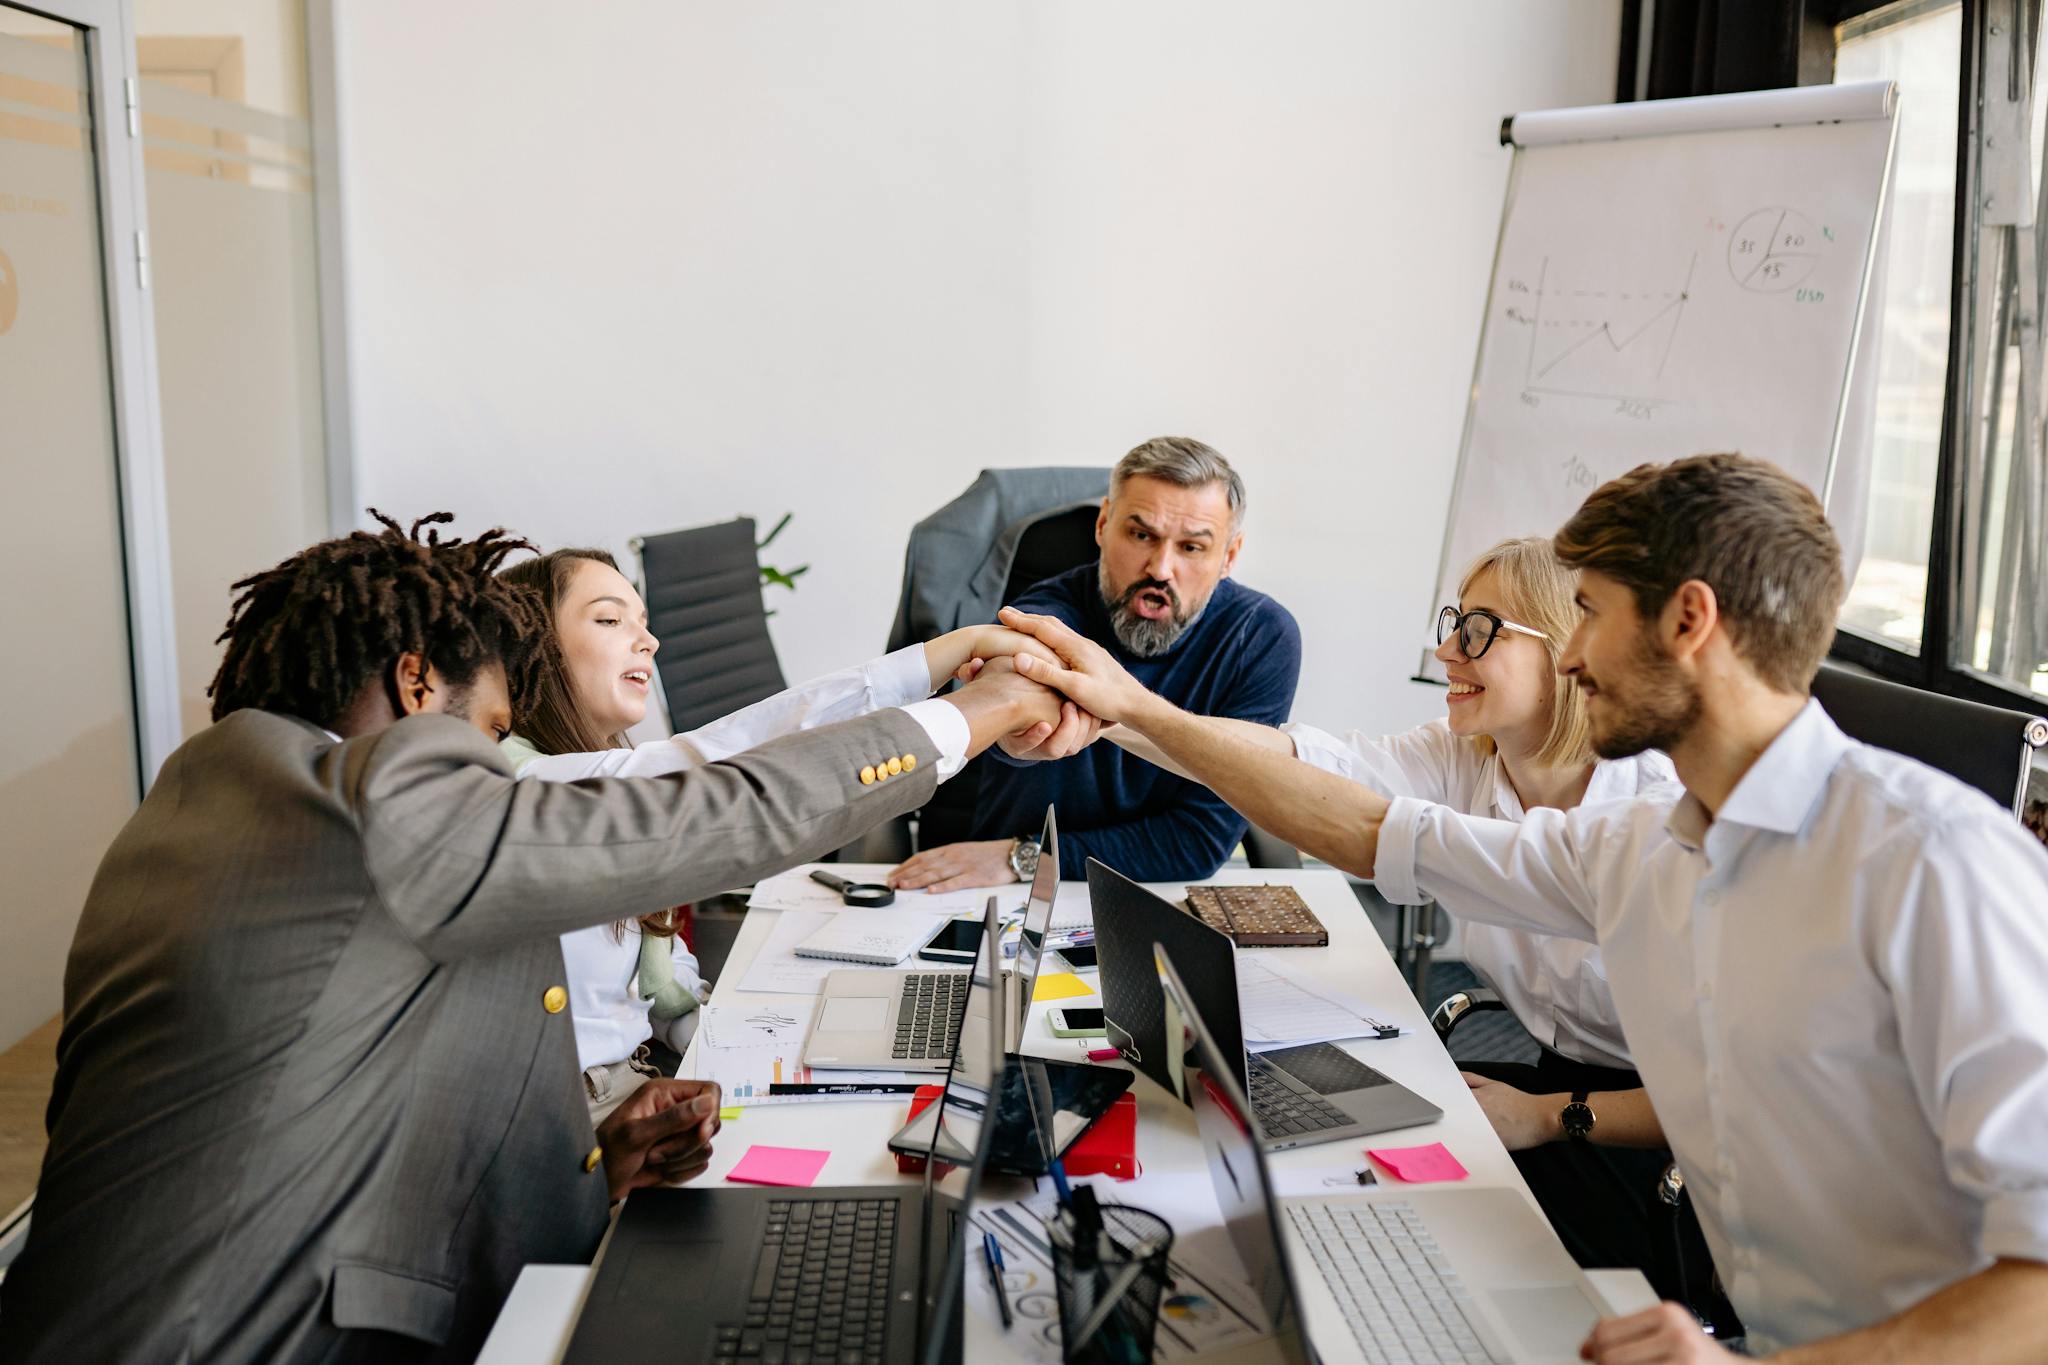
point(893, 680)
point(897, 679)
point(1965, 963)
point(948, 729)
point(1413, 763)
point(1526, 875)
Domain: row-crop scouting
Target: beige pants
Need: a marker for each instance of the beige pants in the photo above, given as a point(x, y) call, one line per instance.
point(610, 1084)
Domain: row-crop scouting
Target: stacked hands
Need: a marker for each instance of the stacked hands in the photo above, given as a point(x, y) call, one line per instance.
point(1070, 688)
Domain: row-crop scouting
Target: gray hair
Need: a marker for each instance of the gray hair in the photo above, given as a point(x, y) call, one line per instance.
point(1184, 462)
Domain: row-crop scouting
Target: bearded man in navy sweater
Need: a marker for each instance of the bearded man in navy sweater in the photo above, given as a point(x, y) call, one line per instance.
point(1160, 597)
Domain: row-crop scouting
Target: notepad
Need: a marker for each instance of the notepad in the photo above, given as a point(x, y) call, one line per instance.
point(874, 939)
point(1060, 986)
point(797, 1166)
point(1418, 1165)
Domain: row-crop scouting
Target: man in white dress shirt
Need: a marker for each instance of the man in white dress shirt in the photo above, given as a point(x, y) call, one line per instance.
point(1828, 959)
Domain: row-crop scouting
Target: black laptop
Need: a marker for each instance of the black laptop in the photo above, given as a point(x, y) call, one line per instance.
point(853, 1273)
point(1301, 1095)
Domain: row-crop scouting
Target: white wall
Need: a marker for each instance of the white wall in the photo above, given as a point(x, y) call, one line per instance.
point(639, 266)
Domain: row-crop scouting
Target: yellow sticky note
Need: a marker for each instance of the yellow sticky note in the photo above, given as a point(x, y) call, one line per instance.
point(732, 1111)
point(1060, 986)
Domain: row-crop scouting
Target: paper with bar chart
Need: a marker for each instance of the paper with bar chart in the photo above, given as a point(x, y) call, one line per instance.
point(747, 1048)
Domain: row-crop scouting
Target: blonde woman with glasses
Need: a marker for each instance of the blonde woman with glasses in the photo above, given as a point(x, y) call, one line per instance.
point(1514, 737)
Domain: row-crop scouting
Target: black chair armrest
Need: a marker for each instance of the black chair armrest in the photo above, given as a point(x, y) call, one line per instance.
point(1457, 1005)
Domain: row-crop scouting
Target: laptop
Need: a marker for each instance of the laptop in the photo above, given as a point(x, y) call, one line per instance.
point(1441, 1274)
point(1040, 1107)
point(905, 1020)
point(852, 1273)
point(1302, 1095)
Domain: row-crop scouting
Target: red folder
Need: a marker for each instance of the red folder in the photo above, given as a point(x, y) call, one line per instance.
point(1109, 1147)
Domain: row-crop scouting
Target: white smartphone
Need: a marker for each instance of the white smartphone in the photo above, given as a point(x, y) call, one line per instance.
point(1076, 1023)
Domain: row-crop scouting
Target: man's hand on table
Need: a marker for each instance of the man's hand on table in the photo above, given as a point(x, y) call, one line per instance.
point(661, 1135)
point(1664, 1335)
point(954, 867)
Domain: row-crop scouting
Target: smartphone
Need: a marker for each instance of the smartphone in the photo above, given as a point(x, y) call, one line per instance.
point(958, 942)
point(1081, 957)
point(1077, 1023)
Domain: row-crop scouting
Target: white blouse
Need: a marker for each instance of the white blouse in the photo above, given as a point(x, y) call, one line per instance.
point(1557, 987)
point(611, 1018)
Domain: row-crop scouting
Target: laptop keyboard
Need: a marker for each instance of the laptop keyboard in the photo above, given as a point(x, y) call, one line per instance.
point(928, 1020)
point(1283, 1111)
point(1404, 1302)
point(821, 1285)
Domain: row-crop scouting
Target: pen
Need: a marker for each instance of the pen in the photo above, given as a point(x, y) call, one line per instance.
point(1060, 1187)
point(805, 1088)
point(992, 1253)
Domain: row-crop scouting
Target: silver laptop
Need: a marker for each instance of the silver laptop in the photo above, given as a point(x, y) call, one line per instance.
point(1466, 1275)
point(906, 1019)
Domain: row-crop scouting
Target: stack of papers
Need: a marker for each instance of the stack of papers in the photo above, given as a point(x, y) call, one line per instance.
point(1279, 1011)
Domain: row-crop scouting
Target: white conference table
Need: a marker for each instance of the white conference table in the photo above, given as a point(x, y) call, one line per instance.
point(536, 1322)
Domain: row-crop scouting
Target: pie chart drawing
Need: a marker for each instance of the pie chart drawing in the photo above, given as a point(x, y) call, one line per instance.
point(1774, 249)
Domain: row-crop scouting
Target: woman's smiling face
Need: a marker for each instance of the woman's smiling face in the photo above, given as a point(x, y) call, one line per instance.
point(607, 651)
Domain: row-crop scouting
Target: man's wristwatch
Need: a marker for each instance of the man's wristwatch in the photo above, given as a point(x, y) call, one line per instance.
point(1578, 1118)
point(1024, 858)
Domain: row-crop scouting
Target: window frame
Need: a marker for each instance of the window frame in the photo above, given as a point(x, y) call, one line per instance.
point(1697, 47)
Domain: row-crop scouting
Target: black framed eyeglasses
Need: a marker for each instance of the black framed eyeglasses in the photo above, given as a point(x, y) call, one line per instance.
point(1477, 630)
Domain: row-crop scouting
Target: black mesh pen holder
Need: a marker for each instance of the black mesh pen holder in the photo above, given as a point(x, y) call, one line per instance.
point(1110, 1284)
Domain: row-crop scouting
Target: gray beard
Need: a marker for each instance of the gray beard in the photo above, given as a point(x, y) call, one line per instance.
point(1141, 635)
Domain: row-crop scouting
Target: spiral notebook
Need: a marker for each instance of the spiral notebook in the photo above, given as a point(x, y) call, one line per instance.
point(876, 940)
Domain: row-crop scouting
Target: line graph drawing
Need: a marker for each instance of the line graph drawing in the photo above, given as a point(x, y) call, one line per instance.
point(1773, 249)
point(1606, 343)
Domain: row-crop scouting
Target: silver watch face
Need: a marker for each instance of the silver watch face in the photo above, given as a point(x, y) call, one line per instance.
point(1024, 859)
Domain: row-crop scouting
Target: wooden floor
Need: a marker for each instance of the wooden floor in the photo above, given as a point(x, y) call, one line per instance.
point(26, 1070)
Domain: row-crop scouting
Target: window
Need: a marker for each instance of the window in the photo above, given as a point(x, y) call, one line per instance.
point(1920, 47)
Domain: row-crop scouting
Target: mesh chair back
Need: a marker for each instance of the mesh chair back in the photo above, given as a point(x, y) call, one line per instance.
point(1988, 747)
point(703, 591)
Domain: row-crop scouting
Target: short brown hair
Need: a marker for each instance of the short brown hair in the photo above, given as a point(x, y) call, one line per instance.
point(1745, 528)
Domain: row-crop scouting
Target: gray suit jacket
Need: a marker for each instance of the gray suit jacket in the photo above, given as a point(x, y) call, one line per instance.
point(307, 1082)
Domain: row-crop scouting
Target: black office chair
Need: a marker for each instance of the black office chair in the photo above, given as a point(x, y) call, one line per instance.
point(703, 591)
point(1989, 747)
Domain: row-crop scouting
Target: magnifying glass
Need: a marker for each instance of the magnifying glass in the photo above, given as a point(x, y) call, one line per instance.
point(860, 895)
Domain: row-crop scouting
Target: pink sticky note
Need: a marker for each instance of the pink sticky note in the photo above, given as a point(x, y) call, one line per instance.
point(1419, 1164)
point(779, 1166)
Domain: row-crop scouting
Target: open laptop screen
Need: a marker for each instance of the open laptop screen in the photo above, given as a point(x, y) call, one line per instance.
point(1045, 885)
point(1237, 1163)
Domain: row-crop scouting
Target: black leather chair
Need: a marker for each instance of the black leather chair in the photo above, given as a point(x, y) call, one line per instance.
point(703, 591)
point(1989, 747)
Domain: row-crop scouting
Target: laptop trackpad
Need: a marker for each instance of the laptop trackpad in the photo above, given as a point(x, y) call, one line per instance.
point(861, 1015)
point(1549, 1321)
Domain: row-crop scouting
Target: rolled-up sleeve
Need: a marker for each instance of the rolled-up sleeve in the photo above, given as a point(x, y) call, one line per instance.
point(1965, 972)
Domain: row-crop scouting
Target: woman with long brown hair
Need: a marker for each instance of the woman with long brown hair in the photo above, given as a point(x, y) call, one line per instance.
point(633, 980)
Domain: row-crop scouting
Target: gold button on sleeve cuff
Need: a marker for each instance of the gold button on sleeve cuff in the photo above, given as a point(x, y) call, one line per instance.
point(867, 777)
point(881, 772)
point(555, 1001)
point(895, 766)
point(593, 1160)
point(910, 763)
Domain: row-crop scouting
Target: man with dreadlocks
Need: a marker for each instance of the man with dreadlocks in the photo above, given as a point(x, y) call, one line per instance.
point(316, 1094)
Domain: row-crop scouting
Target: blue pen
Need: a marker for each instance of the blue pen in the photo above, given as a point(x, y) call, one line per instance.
point(1060, 1187)
point(992, 1253)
